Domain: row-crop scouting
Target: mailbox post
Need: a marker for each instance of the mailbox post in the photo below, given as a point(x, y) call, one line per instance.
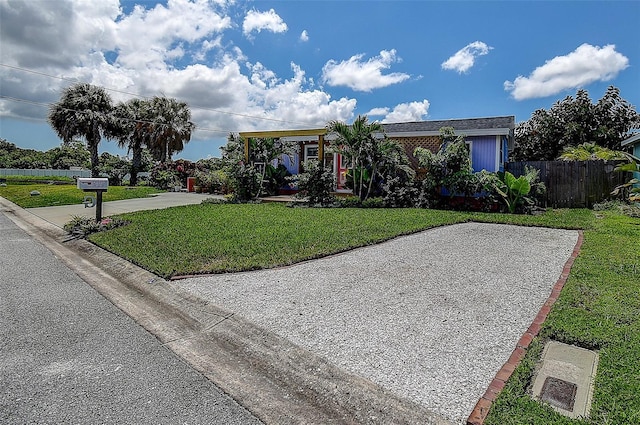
point(98, 185)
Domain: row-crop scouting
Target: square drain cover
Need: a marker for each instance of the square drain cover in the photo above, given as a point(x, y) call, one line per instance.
point(559, 393)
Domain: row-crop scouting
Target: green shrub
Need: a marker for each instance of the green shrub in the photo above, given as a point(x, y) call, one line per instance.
point(81, 227)
point(399, 192)
point(446, 172)
point(373, 203)
point(349, 202)
point(316, 184)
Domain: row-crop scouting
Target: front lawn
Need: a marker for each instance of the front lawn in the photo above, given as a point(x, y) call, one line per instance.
point(211, 238)
point(598, 309)
point(65, 194)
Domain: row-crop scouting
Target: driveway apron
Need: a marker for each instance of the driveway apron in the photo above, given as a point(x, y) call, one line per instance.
point(431, 316)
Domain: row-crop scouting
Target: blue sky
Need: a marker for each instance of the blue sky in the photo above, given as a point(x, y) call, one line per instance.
point(261, 65)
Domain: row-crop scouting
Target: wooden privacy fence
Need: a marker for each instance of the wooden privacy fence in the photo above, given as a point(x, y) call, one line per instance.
point(574, 184)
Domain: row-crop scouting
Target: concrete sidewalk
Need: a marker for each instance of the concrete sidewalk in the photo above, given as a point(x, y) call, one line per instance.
point(62, 214)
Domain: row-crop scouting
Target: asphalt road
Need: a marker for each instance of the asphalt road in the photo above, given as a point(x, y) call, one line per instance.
point(67, 355)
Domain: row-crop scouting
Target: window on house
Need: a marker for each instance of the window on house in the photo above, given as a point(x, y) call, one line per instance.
point(310, 152)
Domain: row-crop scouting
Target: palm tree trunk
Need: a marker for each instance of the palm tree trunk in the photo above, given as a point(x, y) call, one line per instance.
point(373, 175)
point(136, 161)
point(95, 160)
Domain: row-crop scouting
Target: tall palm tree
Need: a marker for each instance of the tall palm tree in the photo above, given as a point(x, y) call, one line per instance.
point(357, 142)
point(169, 129)
point(84, 110)
point(134, 119)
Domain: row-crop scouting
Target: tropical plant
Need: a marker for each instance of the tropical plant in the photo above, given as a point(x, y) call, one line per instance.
point(210, 181)
point(263, 152)
point(249, 177)
point(590, 151)
point(274, 178)
point(514, 192)
point(163, 177)
point(244, 184)
point(449, 169)
point(84, 110)
point(168, 127)
point(632, 187)
point(360, 144)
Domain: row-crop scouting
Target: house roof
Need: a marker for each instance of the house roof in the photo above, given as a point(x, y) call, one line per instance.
point(489, 126)
point(632, 141)
point(468, 126)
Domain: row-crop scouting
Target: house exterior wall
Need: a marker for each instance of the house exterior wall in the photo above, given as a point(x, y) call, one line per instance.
point(636, 153)
point(485, 152)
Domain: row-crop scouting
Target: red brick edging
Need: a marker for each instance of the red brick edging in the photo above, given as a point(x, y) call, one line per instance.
point(480, 412)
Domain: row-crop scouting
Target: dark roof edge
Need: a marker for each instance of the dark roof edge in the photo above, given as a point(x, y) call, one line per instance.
point(459, 124)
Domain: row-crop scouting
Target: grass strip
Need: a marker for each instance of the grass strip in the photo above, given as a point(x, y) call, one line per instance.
point(56, 195)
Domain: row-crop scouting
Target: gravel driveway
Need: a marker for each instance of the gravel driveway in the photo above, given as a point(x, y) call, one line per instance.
point(431, 316)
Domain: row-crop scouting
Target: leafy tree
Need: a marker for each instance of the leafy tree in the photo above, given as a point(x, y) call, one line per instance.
point(84, 110)
point(114, 167)
point(12, 156)
point(590, 151)
point(168, 129)
point(575, 121)
point(68, 155)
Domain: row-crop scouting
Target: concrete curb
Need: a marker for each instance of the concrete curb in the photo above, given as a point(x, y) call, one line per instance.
point(481, 410)
point(276, 380)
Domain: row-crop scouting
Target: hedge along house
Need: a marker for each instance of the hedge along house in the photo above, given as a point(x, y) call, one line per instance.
point(489, 139)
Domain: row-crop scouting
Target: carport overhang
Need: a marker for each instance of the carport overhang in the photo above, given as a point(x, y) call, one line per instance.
point(277, 134)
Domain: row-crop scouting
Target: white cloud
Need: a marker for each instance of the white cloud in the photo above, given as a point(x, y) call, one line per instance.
point(407, 112)
point(465, 58)
point(583, 66)
point(151, 37)
point(363, 76)
point(71, 40)
point(376, 112)
point(304, 36)
point(258, 21)
point(59, 33)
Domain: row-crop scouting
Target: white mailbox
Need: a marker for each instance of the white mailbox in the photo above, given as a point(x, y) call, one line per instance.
point(93, 184)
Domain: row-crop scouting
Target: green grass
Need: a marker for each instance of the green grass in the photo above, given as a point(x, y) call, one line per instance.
point(32, 179)
point(213, 238)
point(64, 194)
